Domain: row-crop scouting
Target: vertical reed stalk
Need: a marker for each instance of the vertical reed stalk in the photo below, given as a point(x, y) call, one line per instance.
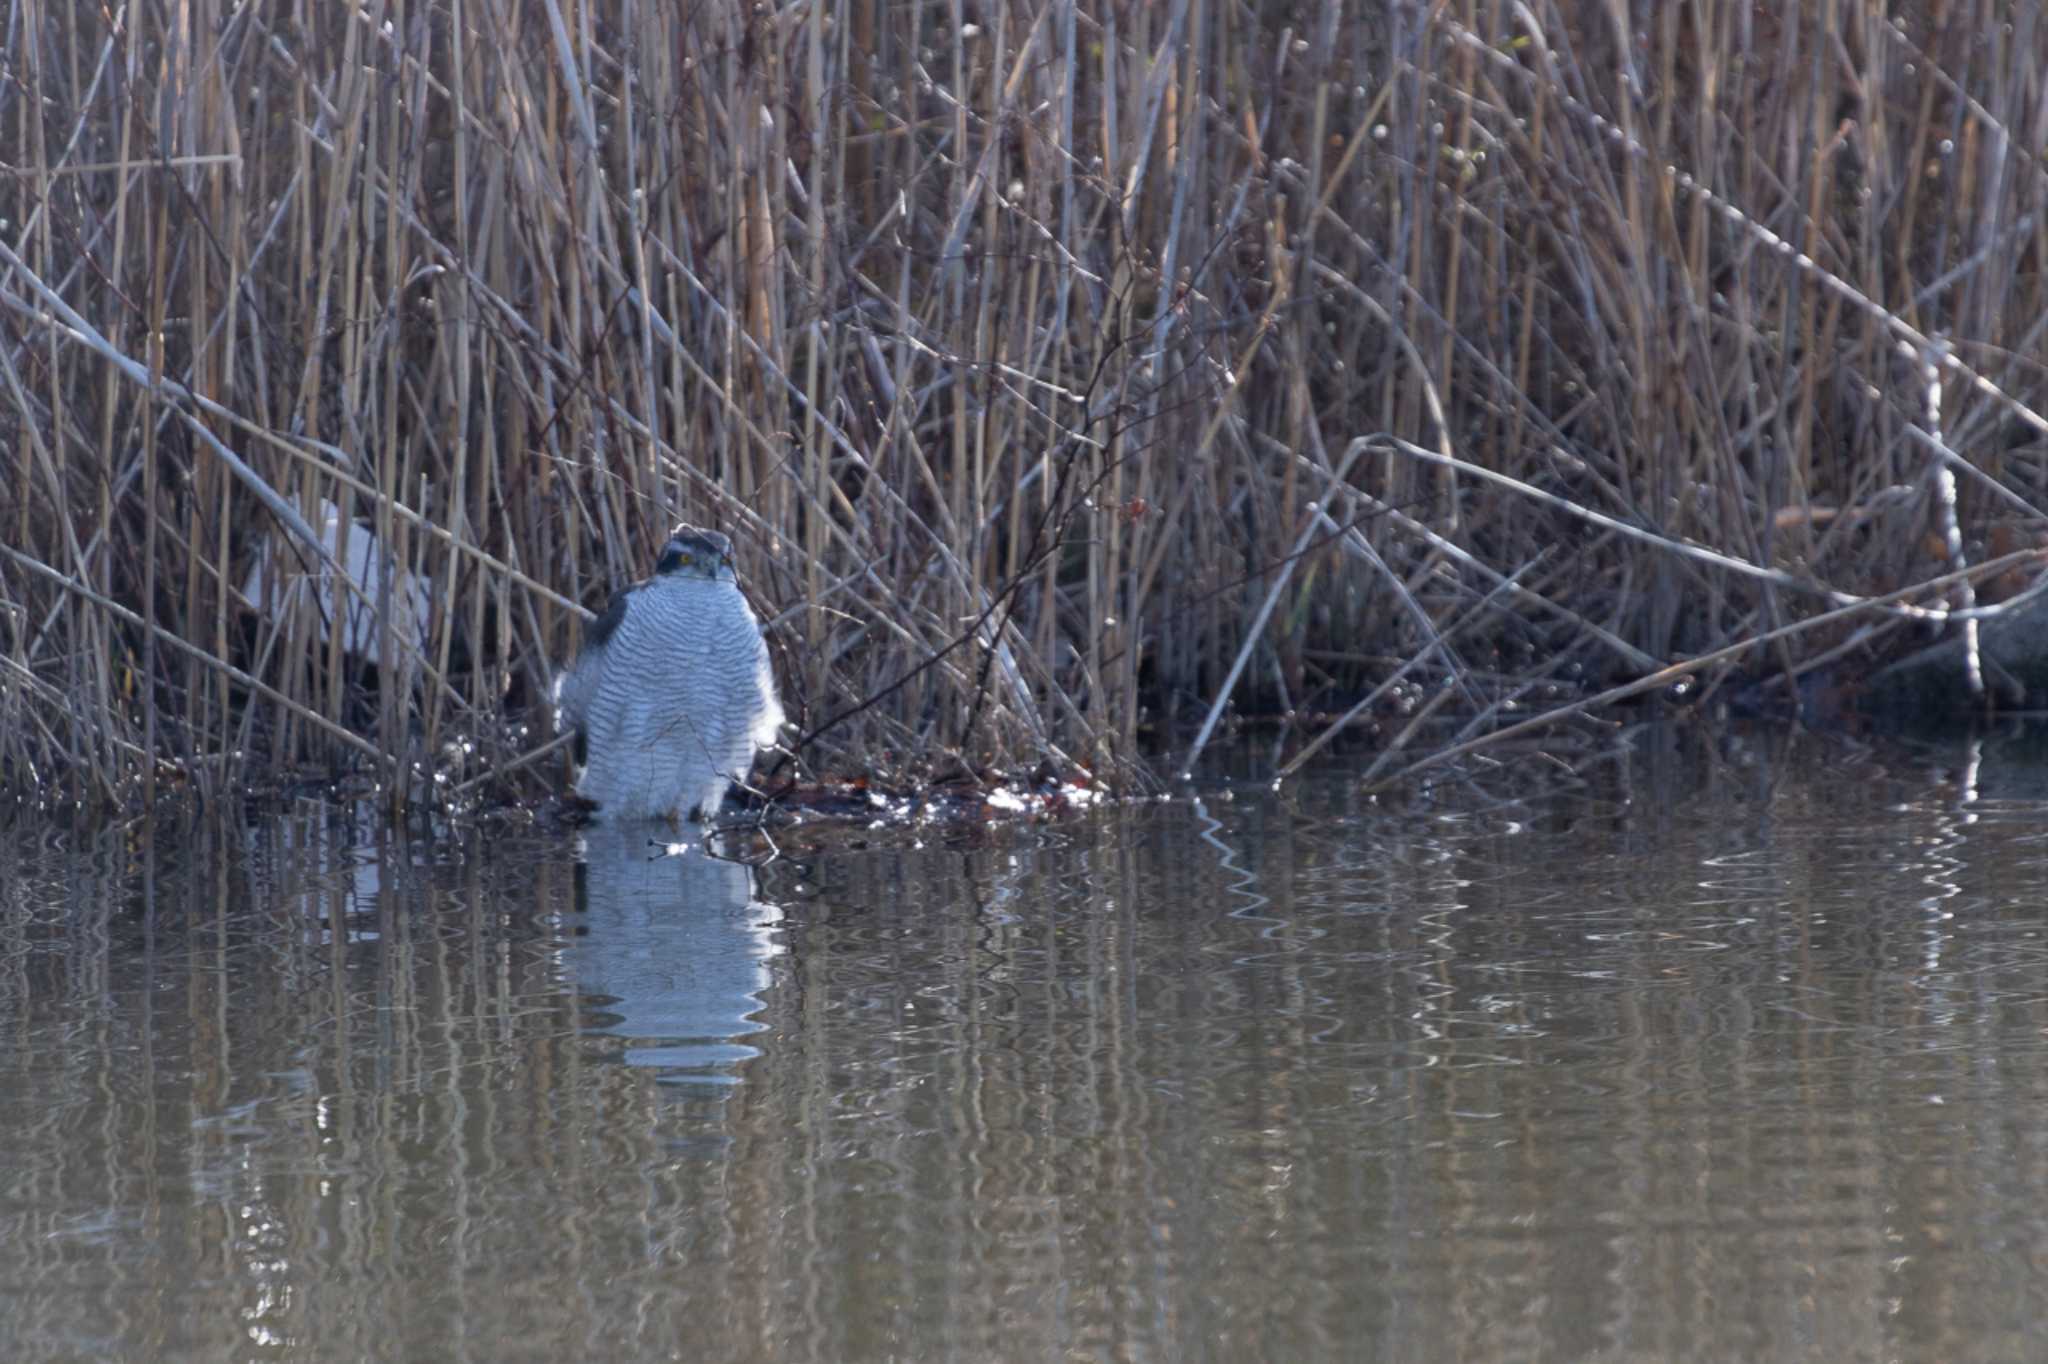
point(1009, 341)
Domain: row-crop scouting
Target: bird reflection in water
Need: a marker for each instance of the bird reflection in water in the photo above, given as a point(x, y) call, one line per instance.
point(670, 952)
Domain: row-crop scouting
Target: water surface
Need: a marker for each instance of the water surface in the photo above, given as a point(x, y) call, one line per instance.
point(1727, 1049)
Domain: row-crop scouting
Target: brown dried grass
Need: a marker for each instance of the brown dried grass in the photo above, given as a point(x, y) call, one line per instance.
point(1017, 345)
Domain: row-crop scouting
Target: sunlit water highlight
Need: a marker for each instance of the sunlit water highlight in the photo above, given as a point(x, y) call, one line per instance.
point(1735, 1051)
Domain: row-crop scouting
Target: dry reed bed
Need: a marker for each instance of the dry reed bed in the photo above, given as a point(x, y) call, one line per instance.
point(1058, 368)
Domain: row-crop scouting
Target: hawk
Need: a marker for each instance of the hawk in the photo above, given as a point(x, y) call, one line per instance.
point(672, 692)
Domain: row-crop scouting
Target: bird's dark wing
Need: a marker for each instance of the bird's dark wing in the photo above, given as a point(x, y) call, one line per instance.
point(600, 632)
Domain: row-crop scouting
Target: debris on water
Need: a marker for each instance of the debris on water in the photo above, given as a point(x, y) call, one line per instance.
point(962, 800)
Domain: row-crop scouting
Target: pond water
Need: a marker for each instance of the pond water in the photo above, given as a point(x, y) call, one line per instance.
point(1726, 1048)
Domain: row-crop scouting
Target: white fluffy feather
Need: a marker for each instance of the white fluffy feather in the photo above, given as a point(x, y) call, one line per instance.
point(673, 702)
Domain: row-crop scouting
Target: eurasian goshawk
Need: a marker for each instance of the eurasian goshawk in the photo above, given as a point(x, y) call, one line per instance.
point(672, 692)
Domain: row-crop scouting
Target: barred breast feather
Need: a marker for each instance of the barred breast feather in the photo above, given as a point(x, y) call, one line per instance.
point(671, 695)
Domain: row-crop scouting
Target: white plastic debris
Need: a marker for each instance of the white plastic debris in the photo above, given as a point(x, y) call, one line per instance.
point(356, 549)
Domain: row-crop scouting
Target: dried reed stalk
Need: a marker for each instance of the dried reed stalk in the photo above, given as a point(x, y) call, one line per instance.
point(1012, 351)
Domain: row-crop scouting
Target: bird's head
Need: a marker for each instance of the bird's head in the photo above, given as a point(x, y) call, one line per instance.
point(693, 553)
